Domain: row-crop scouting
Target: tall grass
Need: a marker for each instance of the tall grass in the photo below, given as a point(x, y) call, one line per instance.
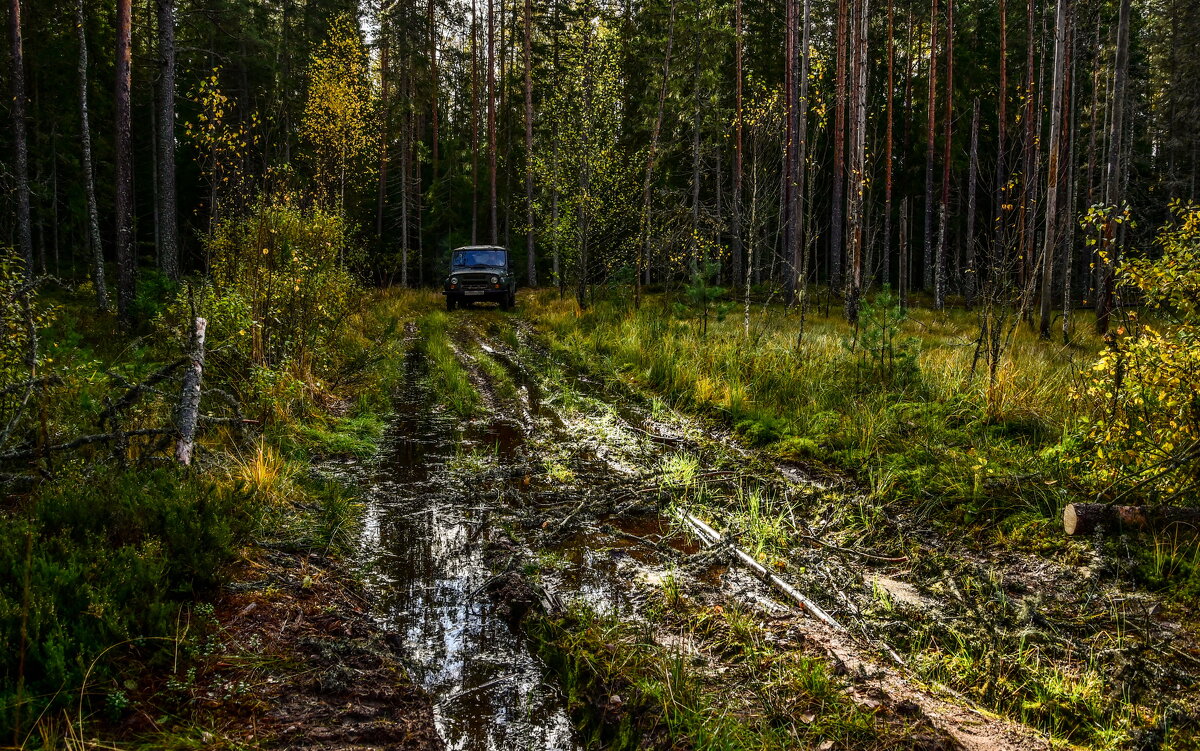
point(917, 439)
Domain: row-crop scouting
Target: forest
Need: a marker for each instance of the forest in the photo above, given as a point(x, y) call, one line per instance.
point(843, 389)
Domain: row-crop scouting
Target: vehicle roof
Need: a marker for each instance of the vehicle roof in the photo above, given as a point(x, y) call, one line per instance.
point(481, 247)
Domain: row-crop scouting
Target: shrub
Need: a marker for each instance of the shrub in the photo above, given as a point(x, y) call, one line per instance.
point(110, 561)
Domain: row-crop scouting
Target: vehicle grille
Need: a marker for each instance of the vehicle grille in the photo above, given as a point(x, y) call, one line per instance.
point(475, 281)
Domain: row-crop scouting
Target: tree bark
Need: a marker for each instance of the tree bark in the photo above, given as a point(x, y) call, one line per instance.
point(189, 397)
point(20, 145)
point(644, 254)
point(930, 127)
point(1085, 518)
point(89, 175)
point(385, 82)
point(474, 123)
point(837, 197)
point(531, 257)
point(126, 279)
point(736, 209)
point(491, 119)
point(1112, 180)
point(435, 115)
point(167, 205)
point(886, 272)
point(858, 181)
point(969, 277)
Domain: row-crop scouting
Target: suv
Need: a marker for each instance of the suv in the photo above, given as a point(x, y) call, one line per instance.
point(480, 273)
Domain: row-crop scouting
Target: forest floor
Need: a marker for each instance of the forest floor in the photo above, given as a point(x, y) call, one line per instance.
point(524, 516)
point(521, 577)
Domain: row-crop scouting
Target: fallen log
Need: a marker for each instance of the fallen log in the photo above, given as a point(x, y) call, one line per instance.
point(1085, 518)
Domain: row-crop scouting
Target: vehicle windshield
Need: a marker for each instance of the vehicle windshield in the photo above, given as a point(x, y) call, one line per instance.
point(478, 258)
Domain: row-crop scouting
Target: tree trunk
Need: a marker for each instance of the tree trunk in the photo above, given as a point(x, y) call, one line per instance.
point(969, 277)
point(1085, 518)
point(385, 82)
point(431, 20)
point(126, 279)
point(20, 146)
point(858, 179)
point(167, 209)
point(836, 219)
point(491, 119)
point(940, 273)
point(736, 212)
point(189, 398)
point(930, 127)
point(695, 240)
point(886, 272)
point(531, 257)
point(1000, 238)
point(1112, 180)
point(89, 178)
point(644, 254)
point(1053, 169)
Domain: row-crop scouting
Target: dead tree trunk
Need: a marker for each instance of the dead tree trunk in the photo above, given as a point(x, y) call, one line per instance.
point(20, 146)
point(189, 397)
point(89, 174)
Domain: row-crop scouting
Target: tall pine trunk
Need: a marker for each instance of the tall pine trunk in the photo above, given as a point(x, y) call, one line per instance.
point(1112, 177)
point(531, 257)
point(858, 181)
point(970, 273)
point(941, 272)
point(930, 126)
point(837, 218)
point(167, 209)
point(491, 120)
point(886, 271)
point(736, 213)
point(20, 146)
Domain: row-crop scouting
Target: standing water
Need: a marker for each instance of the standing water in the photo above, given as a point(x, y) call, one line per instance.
point(422, 550)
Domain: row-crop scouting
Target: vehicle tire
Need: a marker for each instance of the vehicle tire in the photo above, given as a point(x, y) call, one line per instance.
point(506, 302)
point(512, 300)
point(449, 302)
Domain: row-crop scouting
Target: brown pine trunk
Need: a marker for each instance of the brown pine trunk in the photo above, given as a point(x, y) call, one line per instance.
point(930, 127)
point(1000, 238)
point(1053, 169)
point(886, 271)
point(791, 221)
point(126, 279)
point(970, 273)
point(531, 264)
point(1112, 180)
point(89, 175)
point(20, 145)
point(167, 212)
point(836, 220)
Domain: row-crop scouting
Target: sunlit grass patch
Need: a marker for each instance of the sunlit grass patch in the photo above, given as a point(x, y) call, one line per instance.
point(448, 377)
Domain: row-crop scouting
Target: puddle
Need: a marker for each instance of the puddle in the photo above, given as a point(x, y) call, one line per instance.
point(424, 566)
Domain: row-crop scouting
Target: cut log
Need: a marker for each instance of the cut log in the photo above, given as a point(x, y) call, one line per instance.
point(1085, 518)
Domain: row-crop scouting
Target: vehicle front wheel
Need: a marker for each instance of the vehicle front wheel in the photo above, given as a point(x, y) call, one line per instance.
point(449, 302)
point(506, 303)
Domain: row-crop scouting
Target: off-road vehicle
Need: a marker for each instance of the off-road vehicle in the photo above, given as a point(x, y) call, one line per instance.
point(480, 273)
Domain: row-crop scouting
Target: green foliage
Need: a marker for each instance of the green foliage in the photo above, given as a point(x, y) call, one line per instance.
point(113, 561)
point(1144, 392)
point(280, 288)
point(703, 297)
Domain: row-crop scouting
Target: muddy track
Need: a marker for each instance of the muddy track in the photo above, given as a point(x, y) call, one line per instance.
point(565, 473)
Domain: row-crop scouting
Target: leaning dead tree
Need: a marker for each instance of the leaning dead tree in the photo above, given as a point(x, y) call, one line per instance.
point(189, 397)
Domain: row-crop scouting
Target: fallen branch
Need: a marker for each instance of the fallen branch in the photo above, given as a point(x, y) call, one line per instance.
point(709, 536)
point(84, 441)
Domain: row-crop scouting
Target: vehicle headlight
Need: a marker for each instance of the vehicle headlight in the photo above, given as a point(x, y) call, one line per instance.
point(495, 280)
point(453, 280)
